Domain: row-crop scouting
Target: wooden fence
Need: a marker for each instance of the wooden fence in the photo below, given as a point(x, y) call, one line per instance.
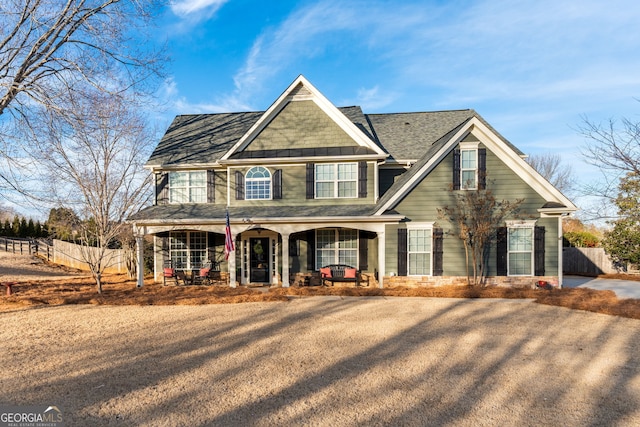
point(587, 262)
point(64, 253)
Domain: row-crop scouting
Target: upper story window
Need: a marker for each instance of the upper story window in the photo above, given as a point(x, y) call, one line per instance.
point(188, 187)
point(469, 169)
point(336, 180)
point(258, 184)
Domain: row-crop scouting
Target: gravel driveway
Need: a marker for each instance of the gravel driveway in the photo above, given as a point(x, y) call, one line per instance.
point(325, 361)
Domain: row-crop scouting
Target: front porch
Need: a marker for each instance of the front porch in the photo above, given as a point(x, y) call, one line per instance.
point(274, 255)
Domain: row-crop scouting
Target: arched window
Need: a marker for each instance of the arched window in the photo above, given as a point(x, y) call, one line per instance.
point(258, 184)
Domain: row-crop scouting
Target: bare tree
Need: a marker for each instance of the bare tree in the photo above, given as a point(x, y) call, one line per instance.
point(47, 47)
point(93, 159)
point(52, 53)
point(476, 216)
point(550, 166)
point(613, 147)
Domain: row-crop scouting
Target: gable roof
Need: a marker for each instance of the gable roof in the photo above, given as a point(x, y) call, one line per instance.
point(490, 139)
point(302, 89)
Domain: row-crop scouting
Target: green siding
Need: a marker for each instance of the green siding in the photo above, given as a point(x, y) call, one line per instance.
point(294, 189)
point(301, 124)
point(433, 192)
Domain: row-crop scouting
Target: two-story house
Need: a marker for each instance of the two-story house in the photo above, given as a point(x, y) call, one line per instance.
point(307, 184)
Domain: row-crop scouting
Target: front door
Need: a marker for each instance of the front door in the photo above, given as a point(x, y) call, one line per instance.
point(259, 259)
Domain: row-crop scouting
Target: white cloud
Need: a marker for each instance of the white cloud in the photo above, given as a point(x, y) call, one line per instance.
point(204, 9)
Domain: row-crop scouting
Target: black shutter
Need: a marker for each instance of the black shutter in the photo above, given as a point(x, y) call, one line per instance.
point(239, 185)
point(482, 168)
point(211, 186)
point(456, 169)
point(311, 250)
point(162, 188)
point(402, 251)
point(310, 180)
point(538, 247)
point(362, 179)
point(501, 252)
point(277, 184)
point(363, 250)
point(438, 268)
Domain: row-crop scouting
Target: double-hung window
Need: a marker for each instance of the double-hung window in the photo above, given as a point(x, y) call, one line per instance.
point(338, 180)
point(336, 246)
point(419, 253)
point(187, 249)
point(258, 184)
point(188, 187)
point(469, 169)
point(520, 249)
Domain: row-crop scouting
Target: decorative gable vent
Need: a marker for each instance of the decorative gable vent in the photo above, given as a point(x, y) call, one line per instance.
point(300, 93)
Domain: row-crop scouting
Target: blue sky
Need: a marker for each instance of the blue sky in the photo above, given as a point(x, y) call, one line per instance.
point(533, 69)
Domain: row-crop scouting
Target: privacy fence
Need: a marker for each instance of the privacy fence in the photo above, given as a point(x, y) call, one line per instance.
point(65, 253)
point(588, 262)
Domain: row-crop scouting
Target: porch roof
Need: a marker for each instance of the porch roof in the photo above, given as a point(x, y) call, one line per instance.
point(199, 212)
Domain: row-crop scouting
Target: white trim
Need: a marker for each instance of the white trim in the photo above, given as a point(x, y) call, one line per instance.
point(414, 227)
point(521, 223)
point(247, 180)
point(469, 145)
point(325, 105)
point(336, 181)
point(514, 225)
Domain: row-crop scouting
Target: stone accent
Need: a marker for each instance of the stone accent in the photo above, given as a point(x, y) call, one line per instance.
point(509, 281)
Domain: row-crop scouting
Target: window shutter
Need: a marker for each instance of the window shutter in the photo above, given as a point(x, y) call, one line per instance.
point(310, 180)
point(501, 252)
point(239, 186)
point(402, 252)
point(456, 169)
point(482, 168)
point(162, 188)
point(538, 247)
point(437, 251)
point(363, 250)
point(277, 184)
point(311, 250)
point(211, 186)
point(362, 179)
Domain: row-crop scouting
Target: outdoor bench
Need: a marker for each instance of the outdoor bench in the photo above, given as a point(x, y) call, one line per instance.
point(339, 273)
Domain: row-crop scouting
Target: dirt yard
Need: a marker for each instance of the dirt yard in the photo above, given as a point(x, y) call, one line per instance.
point(308, 360)
point(325, 361)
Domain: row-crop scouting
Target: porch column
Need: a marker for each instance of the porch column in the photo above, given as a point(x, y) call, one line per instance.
point(140, 250)
point(381, 257)
point(232, 267)
point(285, 260)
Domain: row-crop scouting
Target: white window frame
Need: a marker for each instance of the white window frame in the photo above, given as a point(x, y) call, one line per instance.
point(193, 244)
point(473, 170)
point(335, 179)
point(259, 193)
point(425, 226)
point(191, 196)
point(336, 248)
point(519, 225)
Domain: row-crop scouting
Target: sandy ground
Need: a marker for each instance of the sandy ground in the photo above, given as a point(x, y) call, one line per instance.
point(325, 361)
point(26, 268)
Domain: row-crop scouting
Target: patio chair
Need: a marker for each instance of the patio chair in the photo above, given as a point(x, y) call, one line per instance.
point(169, 273)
